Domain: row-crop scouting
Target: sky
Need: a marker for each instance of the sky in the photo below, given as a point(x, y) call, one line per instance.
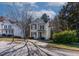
point(50, 8)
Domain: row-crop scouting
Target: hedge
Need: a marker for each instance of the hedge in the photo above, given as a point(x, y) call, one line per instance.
point(68, 36)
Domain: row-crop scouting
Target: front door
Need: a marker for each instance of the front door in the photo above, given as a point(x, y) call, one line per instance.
point(34, 35)
point(40, 35)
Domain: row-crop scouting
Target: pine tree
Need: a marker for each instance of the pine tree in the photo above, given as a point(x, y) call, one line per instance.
point(69, 15)
point(45, 17)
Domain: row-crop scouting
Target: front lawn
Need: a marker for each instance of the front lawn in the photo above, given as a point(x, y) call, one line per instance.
point(64, 46)
point(17, 40)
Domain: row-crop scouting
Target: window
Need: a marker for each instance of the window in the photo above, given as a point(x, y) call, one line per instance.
point(33, 26)
point(5, 26)
point(10, 31)
point(9, 26)
point(6, 31)
point(1, 24)
point(41, 27)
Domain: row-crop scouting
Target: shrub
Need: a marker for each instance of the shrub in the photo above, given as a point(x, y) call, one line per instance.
point(65, 37)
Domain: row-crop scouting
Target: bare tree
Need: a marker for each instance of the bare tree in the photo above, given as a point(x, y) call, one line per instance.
point(22, 17)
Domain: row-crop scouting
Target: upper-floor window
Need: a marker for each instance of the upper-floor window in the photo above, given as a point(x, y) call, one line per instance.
point(34, 26)
point(9, 26)
point(41, 27)
point(5, 26)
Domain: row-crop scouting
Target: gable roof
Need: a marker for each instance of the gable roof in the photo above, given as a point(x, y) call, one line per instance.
point(2, 18)
point(38, 20)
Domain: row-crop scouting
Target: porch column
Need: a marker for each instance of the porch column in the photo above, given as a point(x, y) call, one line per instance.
point(30, 30)
point(37, 30)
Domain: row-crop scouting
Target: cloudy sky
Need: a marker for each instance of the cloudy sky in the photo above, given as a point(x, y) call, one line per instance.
point(51, 8)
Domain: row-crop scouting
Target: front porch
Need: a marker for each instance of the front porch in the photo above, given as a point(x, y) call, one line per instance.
point(38, 35)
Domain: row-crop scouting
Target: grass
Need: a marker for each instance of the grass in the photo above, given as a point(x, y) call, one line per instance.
point(63, 46)
point(17, 40)
point(8, 39)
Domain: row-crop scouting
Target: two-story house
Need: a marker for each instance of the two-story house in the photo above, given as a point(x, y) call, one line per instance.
point(39, 29)
point(9, 28)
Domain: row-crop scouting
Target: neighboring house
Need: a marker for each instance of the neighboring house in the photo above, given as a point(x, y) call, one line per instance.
point(39, 29)
point(9, 28)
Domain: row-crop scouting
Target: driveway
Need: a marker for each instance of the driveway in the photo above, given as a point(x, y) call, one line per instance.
point(23, 49)
point(33, 48)
point(57, 51)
